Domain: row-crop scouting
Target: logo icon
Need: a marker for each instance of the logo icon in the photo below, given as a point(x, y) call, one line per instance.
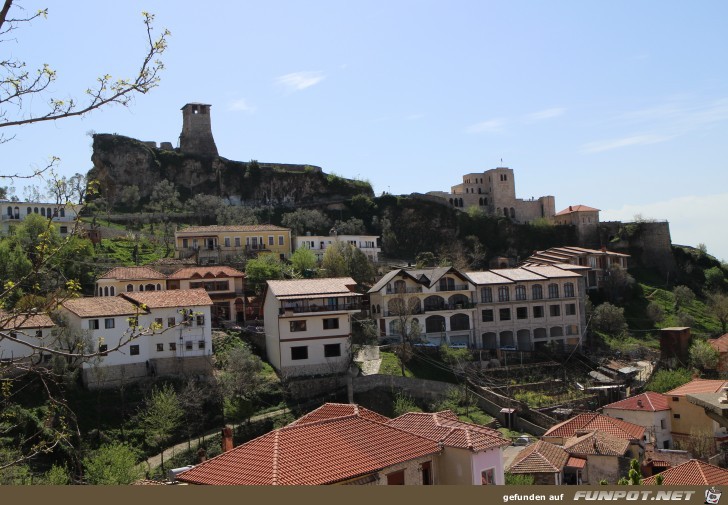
point(712, 496)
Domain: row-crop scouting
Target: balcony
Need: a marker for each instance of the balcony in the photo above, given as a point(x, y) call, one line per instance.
point(453, 287)
point(449, 306)
point(339, 307)
point(400, 291)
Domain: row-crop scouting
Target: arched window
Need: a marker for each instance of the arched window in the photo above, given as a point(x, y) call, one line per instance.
point(504, 294)
point(536, 292)
point(17, 213)
point(101, 291)
point(451, 201)
point(557, 331)
point(513, 213)
point(480, 191)
point(506, 339)
point(141, 287)
point(461, 202)
point(520, 292)
point(435, 324)
point(112, 291)
point(480, 201)
point(29, 210)
point(434, 302)
point(35, 210)
point(149, 287)
point(486, 295)
point(129, 288)
point(447, 284)
point(106, 290)
point(459, 322)
point(10, 211)
point(42, 211)
point(489, 340)
point(540, 333)
point(48, 212)
point(159, 287)
point(569, 290)
point(553, 290)
point(400, 286)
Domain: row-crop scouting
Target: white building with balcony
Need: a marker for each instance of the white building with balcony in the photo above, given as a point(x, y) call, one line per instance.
point(308, 325)
point(63, 216)
point(143, 334)
point(319, 243)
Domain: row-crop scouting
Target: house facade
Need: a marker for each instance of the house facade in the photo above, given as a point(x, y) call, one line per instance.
point(607, 456)
point(223, 284)
point(217, 244)
point(651, 410)
point(546, 462)
point(142, 334)
point(130, 279)
point(33, 329)
point(690, 421)
point(62, 216)
point(308, 324)
point(319, 243)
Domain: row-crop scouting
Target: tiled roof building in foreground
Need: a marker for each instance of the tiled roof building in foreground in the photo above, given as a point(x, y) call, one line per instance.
point(691, 473)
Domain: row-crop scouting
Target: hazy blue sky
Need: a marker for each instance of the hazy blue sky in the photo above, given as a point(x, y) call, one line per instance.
point(619, 105)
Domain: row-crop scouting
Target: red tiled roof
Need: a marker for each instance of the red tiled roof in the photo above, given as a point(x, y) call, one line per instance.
point(720, 344)
point(577, 208)
point(541, 457)
point(334, 410)
point(312, 287)
point(24, 321)
point(592, 422)
point(132, 274)
point(698, 386)
point(646, 402)
point(575, 462)
point(168, 299)
point(232, 228)
point(445, 428)
point(692, 473)
point(596, 443)
point(201, 272)
point(100, 306)
point(314, 453)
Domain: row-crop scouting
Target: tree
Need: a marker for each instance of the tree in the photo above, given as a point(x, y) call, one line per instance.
point(161, 417)
point(519, 479)
point(714, 279)
point(683, 296)
point(303, 261)
point(353, 226)
point(702, 355)
point(333, 263)
point(665, 380)
point(617, 283)
point(655, 312)
point(113, 464)
point(240, 381)
point(718, 306)
point(609, 319)
point(342, 259)
point(305, 220)
point(263, 268)
point(634, 476)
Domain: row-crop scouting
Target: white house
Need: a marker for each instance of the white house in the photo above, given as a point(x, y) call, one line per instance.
point(651, 410)
point(308, 324)
point(143, 334)
point(319, 243)
point(35, 329)
point(63, 216)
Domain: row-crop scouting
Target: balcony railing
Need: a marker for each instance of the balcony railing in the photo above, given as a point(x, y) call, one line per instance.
point(453, 287)
point(449, 306)
point(398, 291)
point(319, 308)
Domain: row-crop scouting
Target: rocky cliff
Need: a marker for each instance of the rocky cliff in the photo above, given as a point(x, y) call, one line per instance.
point(122, 161)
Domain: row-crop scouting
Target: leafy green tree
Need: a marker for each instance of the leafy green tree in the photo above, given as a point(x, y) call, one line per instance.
point(56, 476)
point(263, 268)
point(161, 416)
point(655, 312)
point(718, 306)
point(306, 220)
point(609, 319)
point(714, 279)
point(342, 259)
point(113, 464)
point(240, 381)
point(303, 260)
point(227, 214)
point(425, 260)
point(683, 296)
point(519, 479)
point(404, 404)
point(702, 355)
point(617, 283)
point(666, 380)
point(353, 226)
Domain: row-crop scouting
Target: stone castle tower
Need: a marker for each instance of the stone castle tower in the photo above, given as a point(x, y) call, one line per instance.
point(196, 136)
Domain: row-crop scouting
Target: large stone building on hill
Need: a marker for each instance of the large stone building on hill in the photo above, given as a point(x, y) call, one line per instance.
point(494, 192)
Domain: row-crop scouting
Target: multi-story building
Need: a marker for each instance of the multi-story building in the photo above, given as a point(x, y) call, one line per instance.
point(650, 410)
point(142, 334)
point(436, 305)
point(308, 324)
point(494, 192)
point(130, 279)
point(593, 263)
point(217, 244)
point(319, 243)
point(224, 285)
point(62, 216)
point(33, 329)
point(691, 424)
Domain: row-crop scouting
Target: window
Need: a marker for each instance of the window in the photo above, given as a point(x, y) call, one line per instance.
point(112, 291)
point(93, 324)
point(487, 315)
point(572, 329)
point(395, 478)
point(536, 292)
point(299, 352)
point(188, 345)
point(280, 239)
point(201, 320)
point(486, 295)
point(298, 325)
point(554, 310)
point(569, 290)
point(160, 347)
point(171, 322)
point(675, 399)
point(538, 311)
point(64, 230)
point(662, 424)
point(134, 350)
point(270, 240)
point(332, 350)
point(427, 473)
point(331, 324)
point(159, 322)
point(237, 241)
point(503, 294)
point(520, 292)
point(505, 314)
point(487, 477)
point(570, 309)
point(521, 312)
point(227, 241)
point(103, 348)
point(553, 290)
point(109, 323)
point(129, 288)
point(172, 346)
point(185, 243)
point(38, 333)
point(676, 416)
point(200, 344)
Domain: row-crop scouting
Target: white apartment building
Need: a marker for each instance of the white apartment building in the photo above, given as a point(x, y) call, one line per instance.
point(63, 216)
point(34, 329)
point(319, 243)
point(308, 324)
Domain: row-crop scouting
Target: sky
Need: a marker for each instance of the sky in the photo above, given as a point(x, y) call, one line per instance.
point(619, 105)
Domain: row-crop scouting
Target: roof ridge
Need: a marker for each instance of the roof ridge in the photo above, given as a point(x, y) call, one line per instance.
point(274, 469)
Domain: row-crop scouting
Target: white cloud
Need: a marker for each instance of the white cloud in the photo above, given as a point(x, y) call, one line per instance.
point(693, 220)
point(545, 114)
point(634, 140)
point(300, 80)
point(241, 105)
point(491, 126)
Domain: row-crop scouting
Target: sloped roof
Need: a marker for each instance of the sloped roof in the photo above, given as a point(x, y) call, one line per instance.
point(600, 422)
point(232, 228)
point(132, 274)
point(646, 402)
point(426, 276)
point(201, 272)
point(444, 427)
point(576, 208)
point(24, 321)
point(698, 386)
point(596, 443)
point(334, 410)
point(311, 287)
point(314, 453)
point(692, 473)
point(720, 344)
point(171, 298)
point(541, 457)
point(100, 306)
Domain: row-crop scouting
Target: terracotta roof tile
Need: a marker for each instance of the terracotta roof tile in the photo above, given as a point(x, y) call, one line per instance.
point(575, 462)
point(720, 344)
point(132, 274)
point(646, 402)
point(314, 453)
point(335, 410)
point(541, 457)
point(576, 208)
point(201, 272)
point(23, 321)
point(100, 306)
point(305, 287)
point(692, 473)
point(171, 298)
point(698, 386)
point(445, 428)
point(596, 443)
point(232, 228)
point(593, 421)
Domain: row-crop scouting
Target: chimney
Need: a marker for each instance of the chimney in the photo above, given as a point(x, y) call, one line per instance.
point(639, 403)
point(227, 439)
point(570, 208)
point(201, 455)
point(604, 248)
